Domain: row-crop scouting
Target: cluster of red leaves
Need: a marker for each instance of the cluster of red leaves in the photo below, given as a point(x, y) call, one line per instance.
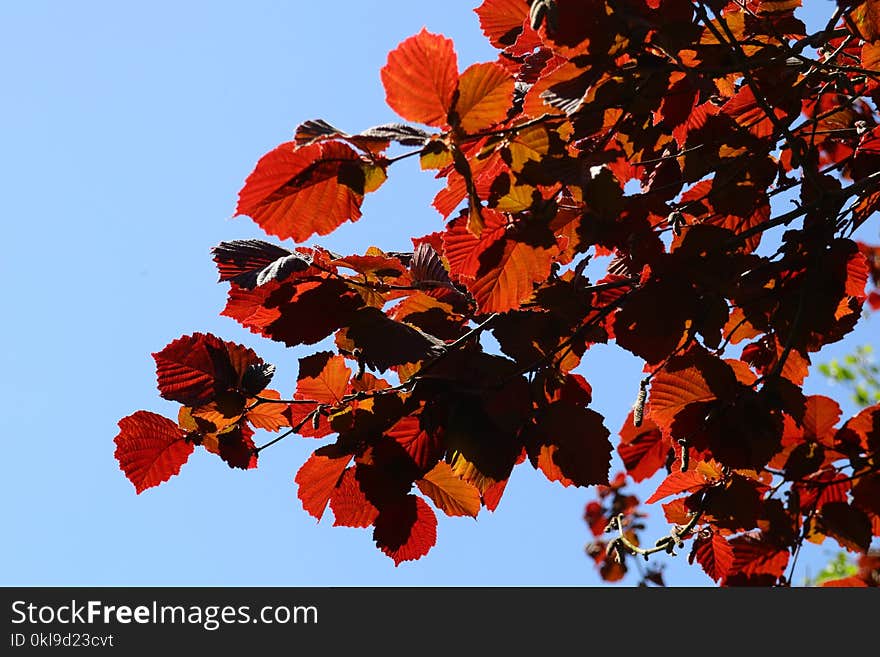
point(710, 109)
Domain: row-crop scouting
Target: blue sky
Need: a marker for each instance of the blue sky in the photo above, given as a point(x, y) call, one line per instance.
point(127, 131)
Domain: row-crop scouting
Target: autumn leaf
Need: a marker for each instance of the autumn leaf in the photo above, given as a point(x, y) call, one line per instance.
point(269, 416)
point(319, 476)
point(714, 554)
point(421, 77)
point(570, 444)
point(298, 192)
point(449, 493)
point(679, 482)
point(406, 529)
point(502, 20)
point(484, 94)
point(150, 449)
point(508, 272)
point(350, 505)
point(194, 369)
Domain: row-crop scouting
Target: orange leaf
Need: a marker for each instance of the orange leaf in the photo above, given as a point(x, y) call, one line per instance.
point(673, 391)
point(463, 250)
point(508, 271)
point(867, 18)
point(318, 477)
point(406, 530)
point(268, 416)
point(821, 414)
point(323, 377)
point(449, 493)
point(502, 20)
point(297, 192)
point(485, 93)
point(150, 449)
point(421, 77)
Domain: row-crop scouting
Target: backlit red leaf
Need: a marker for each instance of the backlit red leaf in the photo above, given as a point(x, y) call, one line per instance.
point(757, 559)
point(421, 78)
point(644, 450)
point(235, 446)
point(463, 250)
point(194, 369)
point(866, 17)
point(508, 272)
point(423, 447)
point(298, 192)
point(406, 529)
point(150, 449)
point(502, 20)
point(350, 506)
point(820, 417)
point(319, 476)
point(679, 482)
point(714, 554)
point(846, 582)
point(323, 377)
point(672, 391)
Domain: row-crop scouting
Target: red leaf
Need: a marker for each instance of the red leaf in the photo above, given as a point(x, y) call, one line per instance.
point(820, 416)
point(194, 369)
point(643, 450)
point(350, 506)
point(754, 558)
point(319, 476)
point(421, 78)
point(235, 446)
point(485, 92)
point(673, 390)
point(508, 272)
point(502, 20)
point(279, 311)
point(850, 526)
point(150, 449)
point(322, 377)
point(846, 582)
point(678, 482)
point(297, 192)
point(406, 529)
point(463, 250)
point(423, 447)
point(450, 493)
point(714, 554)
point(492, 495)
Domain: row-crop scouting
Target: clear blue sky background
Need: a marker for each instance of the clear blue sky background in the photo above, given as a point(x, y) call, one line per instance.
point(126, 131)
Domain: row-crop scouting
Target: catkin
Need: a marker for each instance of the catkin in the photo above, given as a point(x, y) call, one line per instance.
point(639, 408)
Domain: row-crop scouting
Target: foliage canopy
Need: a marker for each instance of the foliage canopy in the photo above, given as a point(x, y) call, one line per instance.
point(654, 133)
